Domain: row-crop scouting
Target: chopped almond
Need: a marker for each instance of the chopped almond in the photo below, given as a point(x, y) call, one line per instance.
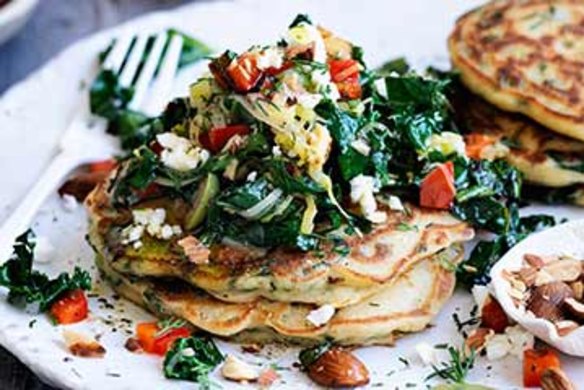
point(478, 339)
point(195, 250)
point(268, 377)
point(534, 260)
point(82, 345)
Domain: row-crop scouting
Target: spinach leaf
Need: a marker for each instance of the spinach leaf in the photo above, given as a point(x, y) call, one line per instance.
point(343, 128)
point(107, 96)
point(27, 286)
point(397, 65)
point(245, 196)
point(300, 18)
point(290, 184)
point(192, 358)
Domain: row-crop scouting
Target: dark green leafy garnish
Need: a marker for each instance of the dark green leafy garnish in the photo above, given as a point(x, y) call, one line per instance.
point(27, 286)
point(310, 355)
point(192, 358)
point(475, 269)
point(457, 368)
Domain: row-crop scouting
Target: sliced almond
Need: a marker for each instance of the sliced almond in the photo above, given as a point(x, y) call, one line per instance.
point(237, 370)
point(543, 277)
point(534, 260)
point(338, 368)
point(565, 327)
point(553, 378)
point(82, 345)
point(578, 288)
point(565, 270)
point(194, 249)
point(546, 301)
point(528, 275)
point(478, 339)
point(575, 308)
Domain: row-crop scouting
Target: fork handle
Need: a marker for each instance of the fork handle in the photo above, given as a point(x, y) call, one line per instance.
point(22, 216)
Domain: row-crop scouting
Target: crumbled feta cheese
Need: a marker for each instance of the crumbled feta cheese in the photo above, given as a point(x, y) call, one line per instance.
point(447, 143)
point(498, 347)
point(69, 203)
point(43, 249)
point(179, 153)
point(395, 203)
point(514, 341)
point(149, 221)
point(252, 176)
point(321, 316)
point(361, 146)
point(272, 57)
point(427, 354)
point(363, 189)
point(188, 352)
point(276, 151)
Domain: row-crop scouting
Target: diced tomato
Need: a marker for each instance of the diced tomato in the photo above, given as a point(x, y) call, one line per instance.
point(70, 308)
point(215, 139)
point(164, 342)
point(156, 147)
point(535, 362)
point(276, 71)
point(244, 73)
point(152, 190)
point(103, 166)
point(437, 190)
point(493, 316)
point(476, 143)
point(342, 70)
point(345, 74)
point(152, 341)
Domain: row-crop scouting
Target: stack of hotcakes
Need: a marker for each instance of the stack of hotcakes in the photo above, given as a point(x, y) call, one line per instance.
point(524, 60)
point(379, 285)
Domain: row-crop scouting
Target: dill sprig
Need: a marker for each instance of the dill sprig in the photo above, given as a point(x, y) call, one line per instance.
point(457, 368)
point(168, 324)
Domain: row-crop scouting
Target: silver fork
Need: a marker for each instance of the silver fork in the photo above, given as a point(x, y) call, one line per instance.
point(85, 141)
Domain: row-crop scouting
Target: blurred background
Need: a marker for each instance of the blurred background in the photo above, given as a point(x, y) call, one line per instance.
point(42, 28)
point(54, 24)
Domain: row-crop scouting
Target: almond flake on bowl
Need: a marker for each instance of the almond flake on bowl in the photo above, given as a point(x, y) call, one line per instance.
point(321, 316)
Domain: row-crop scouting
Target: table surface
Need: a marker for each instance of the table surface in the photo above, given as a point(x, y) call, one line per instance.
point(55, 25)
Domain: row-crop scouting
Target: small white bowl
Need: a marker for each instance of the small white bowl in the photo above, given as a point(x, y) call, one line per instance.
point(564, 239)
point(13, 16)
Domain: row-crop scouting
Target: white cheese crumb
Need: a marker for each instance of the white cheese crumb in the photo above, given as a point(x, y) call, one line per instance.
point(362, 193)
point(43, 250)
point(69, 203)
point(149, 221)
point(427, 354)
point(272, 57)
point(447, 143)
point(395, 203)
point(498, 347)
point(514, 341)
point(237, 370)
point(321, 316)
point(276, 151)
point(188, 352)
point(361, 146)
point(179, 153)
point(252, 176)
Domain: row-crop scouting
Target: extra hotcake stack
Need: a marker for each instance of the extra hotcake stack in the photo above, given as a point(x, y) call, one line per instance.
point(524, 60)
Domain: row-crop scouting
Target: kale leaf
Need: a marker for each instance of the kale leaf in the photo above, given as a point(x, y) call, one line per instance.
point(192, 358)
point(27, 286)
point(475, 269)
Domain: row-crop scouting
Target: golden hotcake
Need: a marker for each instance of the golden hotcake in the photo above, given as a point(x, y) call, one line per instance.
point(526, 56)
point(545, 158)
point(408, 305)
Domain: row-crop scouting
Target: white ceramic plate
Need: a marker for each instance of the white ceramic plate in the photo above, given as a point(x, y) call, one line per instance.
point(35, 112)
